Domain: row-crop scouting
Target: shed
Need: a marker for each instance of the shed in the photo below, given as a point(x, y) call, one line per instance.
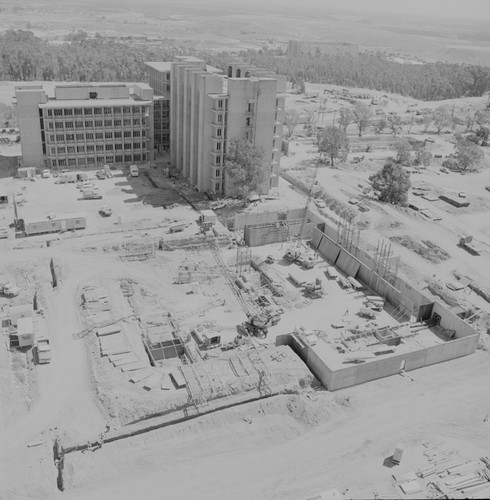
point(25, 332)
point(17, 312)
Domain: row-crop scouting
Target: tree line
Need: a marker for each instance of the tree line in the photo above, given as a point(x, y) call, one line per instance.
point(25, 57)
point(429, 81)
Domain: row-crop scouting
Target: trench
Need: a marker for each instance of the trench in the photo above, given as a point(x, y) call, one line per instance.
point(54, 277)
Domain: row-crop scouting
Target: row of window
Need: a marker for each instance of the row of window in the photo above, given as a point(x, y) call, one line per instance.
point(90, 136)
point(116, 110)
point(126, 122)
point(97, 160)
point(91, 148)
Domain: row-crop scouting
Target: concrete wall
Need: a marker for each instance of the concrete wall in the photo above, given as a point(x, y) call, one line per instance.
point(364, 372)
point(103, 91)
point(451, 321)
point(242, 220)
point(28, 101)
point(276, 232)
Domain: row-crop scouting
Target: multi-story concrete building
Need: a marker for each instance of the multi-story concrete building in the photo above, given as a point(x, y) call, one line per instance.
point(298, 48)
point(159, 81)
point(208, 109)
point(85, 125)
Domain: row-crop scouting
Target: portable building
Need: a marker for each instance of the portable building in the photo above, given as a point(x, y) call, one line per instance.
point(25, 332)
point(59, 223)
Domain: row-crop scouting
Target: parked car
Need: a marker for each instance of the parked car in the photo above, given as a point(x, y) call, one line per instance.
point(217, 205)
point(92, 195)
point(46, 174)
point(4, 232)
point(320, 204)
point(105, 211)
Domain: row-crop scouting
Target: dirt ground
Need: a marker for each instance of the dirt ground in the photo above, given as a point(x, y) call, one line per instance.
point(297, 443)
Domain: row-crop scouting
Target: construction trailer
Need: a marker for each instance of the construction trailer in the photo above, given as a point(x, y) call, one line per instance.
point(54, 224)
point(23, 335)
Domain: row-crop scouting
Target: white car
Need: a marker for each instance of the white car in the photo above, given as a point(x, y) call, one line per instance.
point(46, 173)
point(320, 204)
point(217, 205)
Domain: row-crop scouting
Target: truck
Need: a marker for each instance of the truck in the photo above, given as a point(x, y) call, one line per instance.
point(133, 171)
point(68, 177)
point(43, 348)
point(91, 195)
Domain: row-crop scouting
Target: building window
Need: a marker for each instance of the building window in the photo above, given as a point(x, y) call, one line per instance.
point(110, 159)
point(62, 162)
point(72, 162)
point(53, 150)
point(218, 146)
point(107, 123)
point(137, 145)
point(218, 160)
point(143, 133)
point(50, 125)
point(68, 112)
point(50, 112)
point(136, 133)
point(78, 124)
point(54, 163)
point(98, 123)
point(99, 148)
point(51, 137)
point(168, 88)
point(68, 124)
point(136, 121)
point(127, 122)
point(220, 118)
point(117, 135)
point(78, 111)
point(81, 161)
point(117, 123)
point(107, 111)
point(90, 148)
point(218, 173)
point(117, 146)
point(99, 135)
point(61, 150)
point(119, 159)
point(100, 159)
point(220, 103)
point(89, 123)
point(126, 109)
point(70, 150)
point(58, 112)
point(109, 147)
point(97, 111)
point(90, 160)
point(248, 122)
point(87, 111)
point(59, 125)
point(117, 110)
point(90, 136)
point(128, 158)
point(219, 132)
point(70, 137)
point(137, 157)
point(108, 135)
point(80, 149)
point(80, 137)
point(250, 107)
point(60, 137)
point(92, 95)
point(127, 133)
point(127, 145)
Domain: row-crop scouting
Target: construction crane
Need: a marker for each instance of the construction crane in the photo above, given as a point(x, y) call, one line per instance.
point(294, 253)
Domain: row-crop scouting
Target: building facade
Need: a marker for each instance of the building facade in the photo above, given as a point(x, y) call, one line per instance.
point(298, 48)
point(85, 125)
point(208, 109)
point(159, 80)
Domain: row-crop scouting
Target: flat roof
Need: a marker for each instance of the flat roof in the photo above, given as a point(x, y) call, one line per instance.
point(25, 326)
point(33, 219)
point(159, 66)
point(90, 103)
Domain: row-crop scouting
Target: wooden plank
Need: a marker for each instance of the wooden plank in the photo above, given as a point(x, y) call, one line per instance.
point(136, 365)
point(115, 357)
point(166, 384)
point(177, 378)
point(127, 361)
point(140, 375)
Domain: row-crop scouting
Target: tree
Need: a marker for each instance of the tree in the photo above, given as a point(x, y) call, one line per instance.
point(309, 121)
point(391, 183)
point(381, 125)
point(332, 141)
point(423, 157)
point(244, 167)
point(441, 118)
point(468, 154)
point(426, 120)
point(483, 133)
point(395, 123)
point(403, 153)
point(346, 117)
point(291, 119)
point(362, 116)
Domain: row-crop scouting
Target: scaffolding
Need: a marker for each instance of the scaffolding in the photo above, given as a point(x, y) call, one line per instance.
point(348, 236)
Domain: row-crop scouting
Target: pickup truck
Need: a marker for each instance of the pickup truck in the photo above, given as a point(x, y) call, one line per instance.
point(43, 350)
